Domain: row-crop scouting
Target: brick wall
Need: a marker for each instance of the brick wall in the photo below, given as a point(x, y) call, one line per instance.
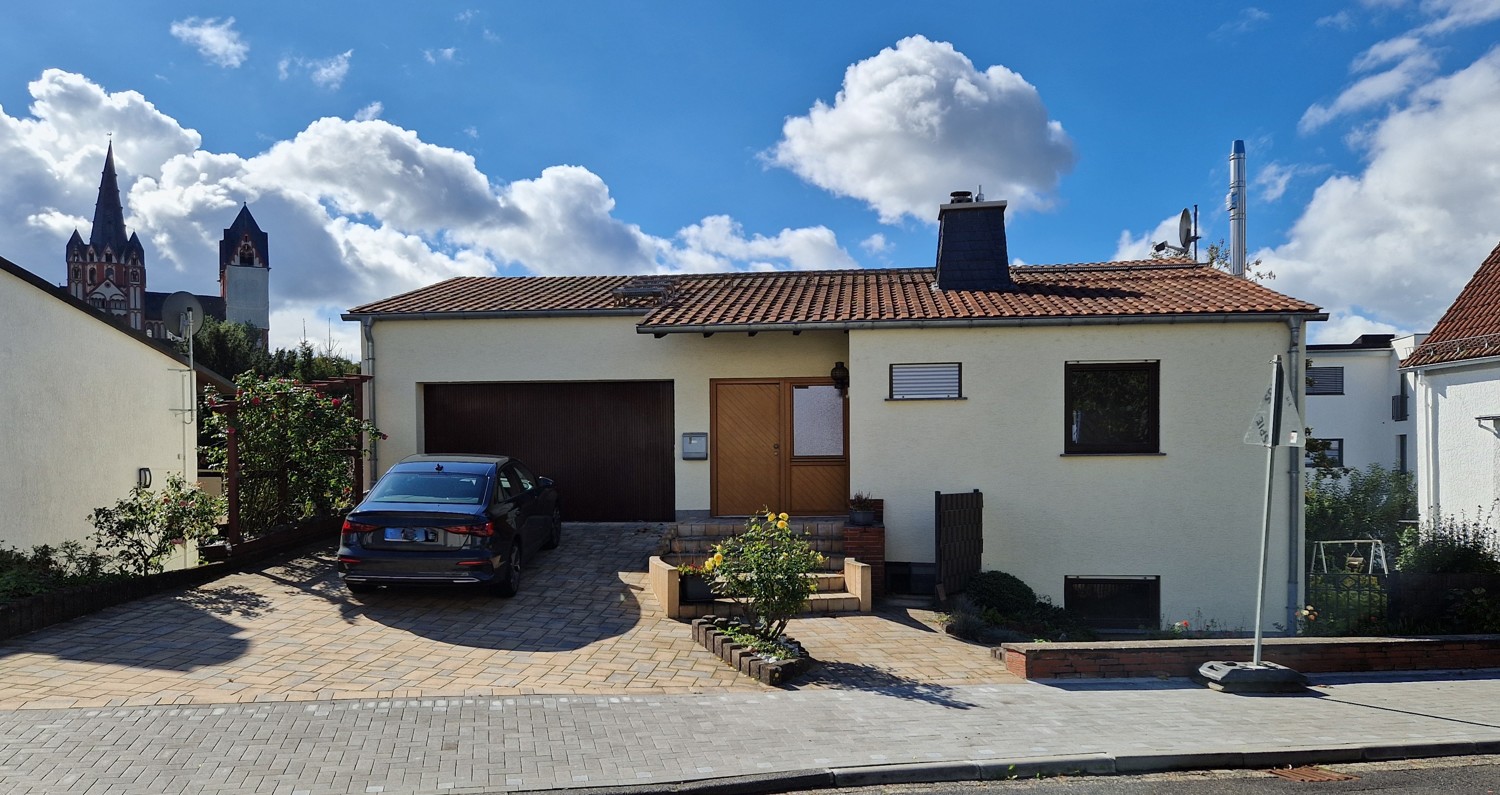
point(1307, 655)
point(867, 545)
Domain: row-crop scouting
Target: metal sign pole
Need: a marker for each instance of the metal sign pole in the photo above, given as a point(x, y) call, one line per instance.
point(1265, 522)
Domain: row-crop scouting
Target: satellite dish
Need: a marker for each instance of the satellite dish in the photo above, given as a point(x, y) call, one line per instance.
point(1185, 229)
point(178, 309)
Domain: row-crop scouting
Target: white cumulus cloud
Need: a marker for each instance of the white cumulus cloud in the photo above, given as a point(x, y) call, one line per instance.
point(917, 121)
point(370, 111)
point(327, 73)
point(217, 41)
point(355, 209)
point(1395, 243)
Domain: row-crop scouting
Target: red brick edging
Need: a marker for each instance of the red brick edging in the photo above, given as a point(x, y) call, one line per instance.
point(1307, 655)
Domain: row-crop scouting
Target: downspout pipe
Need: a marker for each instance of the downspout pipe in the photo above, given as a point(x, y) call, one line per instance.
point(367, 325)
point(1295, 510)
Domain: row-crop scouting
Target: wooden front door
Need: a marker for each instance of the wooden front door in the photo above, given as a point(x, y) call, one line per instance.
point(778, 444)
point(746, 444)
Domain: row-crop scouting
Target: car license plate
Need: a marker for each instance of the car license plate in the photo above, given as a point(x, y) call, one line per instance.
point(425, 534)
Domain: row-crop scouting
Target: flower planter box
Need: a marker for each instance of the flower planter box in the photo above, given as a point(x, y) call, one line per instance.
point(213, 552)
point(706, 631)
point(694, 589)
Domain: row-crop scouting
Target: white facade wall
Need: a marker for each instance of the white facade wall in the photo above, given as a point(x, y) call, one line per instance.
point(84, 407)
point(1362, 416)
point(1459, 454)
point(1191, 515)
point(410, 354)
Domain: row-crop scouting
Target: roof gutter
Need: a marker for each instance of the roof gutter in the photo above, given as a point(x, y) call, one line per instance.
point(981, 322)
point(502, 314)
point(1481, 360)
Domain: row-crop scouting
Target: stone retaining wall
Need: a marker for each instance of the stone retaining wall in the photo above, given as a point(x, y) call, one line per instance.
point(1307, 655)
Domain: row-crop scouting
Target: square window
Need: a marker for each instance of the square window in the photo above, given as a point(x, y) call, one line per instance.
point(1112, 408)
point(1325, 380)
point(936, 381)
point(1333, 456)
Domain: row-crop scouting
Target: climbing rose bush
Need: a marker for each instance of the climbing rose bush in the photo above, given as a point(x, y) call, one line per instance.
point(296, 450)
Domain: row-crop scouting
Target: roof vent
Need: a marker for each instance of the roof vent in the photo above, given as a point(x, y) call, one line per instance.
point(960, 197)
point(645, 291)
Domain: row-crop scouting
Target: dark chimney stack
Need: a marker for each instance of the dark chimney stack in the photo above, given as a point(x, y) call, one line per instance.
point(971, 245)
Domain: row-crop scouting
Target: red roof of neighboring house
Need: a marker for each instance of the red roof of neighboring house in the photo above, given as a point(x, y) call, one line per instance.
point(1470, 329)
point(1142, 288)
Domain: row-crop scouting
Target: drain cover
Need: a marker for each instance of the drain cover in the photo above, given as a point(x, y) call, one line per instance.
point(1311, 774)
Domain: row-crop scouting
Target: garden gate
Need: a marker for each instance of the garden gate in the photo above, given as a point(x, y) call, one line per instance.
point(958, 528)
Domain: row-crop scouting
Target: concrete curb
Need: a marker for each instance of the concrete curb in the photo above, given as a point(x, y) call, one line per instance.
point(1040, 766)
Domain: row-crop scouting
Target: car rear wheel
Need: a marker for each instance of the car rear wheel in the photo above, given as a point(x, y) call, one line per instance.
point(510, 582)
point(555, 537)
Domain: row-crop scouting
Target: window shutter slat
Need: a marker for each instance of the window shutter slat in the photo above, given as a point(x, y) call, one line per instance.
point(919, 381)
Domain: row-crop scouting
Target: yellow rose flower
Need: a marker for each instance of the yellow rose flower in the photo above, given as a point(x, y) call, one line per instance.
point(781, 524)
point(770, 517)
point(783, 517)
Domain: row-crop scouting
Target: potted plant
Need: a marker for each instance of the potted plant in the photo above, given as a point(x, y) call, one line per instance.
point(695, 583)
point(861, 509)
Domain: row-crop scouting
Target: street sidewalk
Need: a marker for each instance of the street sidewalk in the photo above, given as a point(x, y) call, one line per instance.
point(777, 740)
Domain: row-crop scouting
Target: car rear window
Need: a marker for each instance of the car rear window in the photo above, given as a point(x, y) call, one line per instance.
point(444, 487)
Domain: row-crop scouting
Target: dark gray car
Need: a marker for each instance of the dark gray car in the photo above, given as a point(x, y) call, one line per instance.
point(450, 520)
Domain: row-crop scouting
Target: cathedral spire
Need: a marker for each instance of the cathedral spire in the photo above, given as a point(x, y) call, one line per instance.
point(109, 216)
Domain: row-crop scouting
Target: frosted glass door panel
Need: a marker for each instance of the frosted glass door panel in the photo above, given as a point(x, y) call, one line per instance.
point(817, 421)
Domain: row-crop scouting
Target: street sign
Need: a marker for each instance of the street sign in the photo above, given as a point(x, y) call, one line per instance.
point(1277, 423)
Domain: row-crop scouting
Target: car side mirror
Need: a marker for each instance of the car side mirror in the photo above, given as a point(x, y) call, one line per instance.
point(545, 483)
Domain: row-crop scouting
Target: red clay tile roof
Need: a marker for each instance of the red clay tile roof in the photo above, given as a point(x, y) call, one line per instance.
point(503, 294)
point(1470, 329)
point(836, 297)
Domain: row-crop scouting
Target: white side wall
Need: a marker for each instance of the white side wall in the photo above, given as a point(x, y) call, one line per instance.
point(1459, 470)
point(1191, 515)
point(1362, 415)
point(84, 406)
point(409, 354)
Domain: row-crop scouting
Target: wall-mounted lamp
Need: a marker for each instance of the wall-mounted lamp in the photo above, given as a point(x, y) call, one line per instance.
point(143, 477)
point(840, 376)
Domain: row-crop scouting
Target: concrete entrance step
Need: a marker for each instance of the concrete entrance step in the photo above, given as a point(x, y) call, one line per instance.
point(818, 604)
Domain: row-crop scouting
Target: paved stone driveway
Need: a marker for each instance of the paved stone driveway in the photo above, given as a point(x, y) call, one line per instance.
point(585, 622)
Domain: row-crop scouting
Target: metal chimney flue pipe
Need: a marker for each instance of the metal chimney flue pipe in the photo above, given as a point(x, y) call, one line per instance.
point(1235, 203)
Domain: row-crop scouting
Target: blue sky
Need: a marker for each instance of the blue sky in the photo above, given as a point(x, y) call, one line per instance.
point(408, 143)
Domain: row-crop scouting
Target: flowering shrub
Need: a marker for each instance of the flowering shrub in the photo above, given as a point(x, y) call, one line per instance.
point(705, 570)
point(296, 450)
point(140, 530)
point(765, 570)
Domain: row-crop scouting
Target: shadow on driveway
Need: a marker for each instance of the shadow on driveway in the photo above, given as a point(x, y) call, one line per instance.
point(587, 590)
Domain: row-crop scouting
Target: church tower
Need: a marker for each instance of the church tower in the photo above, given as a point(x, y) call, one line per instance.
point(245, 273)
point(110, 270)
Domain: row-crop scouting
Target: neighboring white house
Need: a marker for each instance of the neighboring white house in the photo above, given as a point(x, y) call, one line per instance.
point(1359, 402)
point(89, 407)
point(1099, 408)
point(1457, 402)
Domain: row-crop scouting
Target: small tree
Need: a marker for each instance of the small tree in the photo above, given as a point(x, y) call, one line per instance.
point(1357, 504)
point(140, 530)
point(765, 570)
point(297, 449)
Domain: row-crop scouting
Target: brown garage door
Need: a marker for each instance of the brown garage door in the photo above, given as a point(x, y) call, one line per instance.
point(607, 444)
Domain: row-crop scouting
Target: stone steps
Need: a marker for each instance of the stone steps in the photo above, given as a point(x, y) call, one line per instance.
point(693, 542)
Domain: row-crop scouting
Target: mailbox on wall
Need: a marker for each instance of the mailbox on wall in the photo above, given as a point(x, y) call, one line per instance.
point(694, 446)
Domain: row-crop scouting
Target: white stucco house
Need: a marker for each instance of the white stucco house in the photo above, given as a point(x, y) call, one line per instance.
point(1359, 401)
point(1100, 408)
point(90, 408)
point(1457, 402)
